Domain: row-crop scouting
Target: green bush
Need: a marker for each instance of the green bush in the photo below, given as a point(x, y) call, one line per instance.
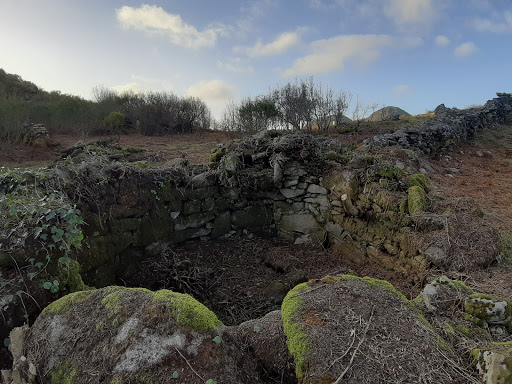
point(115, 122)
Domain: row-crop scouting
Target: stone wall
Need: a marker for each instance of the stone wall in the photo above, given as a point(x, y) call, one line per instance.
point(450, 127)
point(255, 190)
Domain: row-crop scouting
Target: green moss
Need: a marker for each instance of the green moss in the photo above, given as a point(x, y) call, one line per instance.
point(418, 180)
point(335, 156)
point(416, 200)
point(69, 276)
point(298, 342)
point(187, 311)
point(391, 172)
point(131, 149)
point(63, 375)
point(66, 301)
point(116, 380)
point(473, 332)
point(217, 154)
point(481, 306)
point(112, 301)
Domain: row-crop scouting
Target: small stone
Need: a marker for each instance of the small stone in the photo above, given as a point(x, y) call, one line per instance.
point(292, 193)
point(290, 183)
point(314, 188)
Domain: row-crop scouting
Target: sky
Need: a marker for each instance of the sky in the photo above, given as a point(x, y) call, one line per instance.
point(414, 54)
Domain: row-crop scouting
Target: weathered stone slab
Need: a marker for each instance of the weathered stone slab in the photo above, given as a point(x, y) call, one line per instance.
point(302, 223)
point(292, 193)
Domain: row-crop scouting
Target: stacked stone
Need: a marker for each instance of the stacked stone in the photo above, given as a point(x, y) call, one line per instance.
point(451, 126)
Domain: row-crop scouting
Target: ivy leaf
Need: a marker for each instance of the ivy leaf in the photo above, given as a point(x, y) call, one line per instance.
point(39, 265)
point(175, 375)
point(37, 231)
point(217, 339)
point(64, 259)
point(47, 285)
point(256, 329)
point(50, 216)
point(7, 342)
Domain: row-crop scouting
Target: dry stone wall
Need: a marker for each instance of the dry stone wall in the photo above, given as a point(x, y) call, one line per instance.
point(254, 191)
point(450, 127)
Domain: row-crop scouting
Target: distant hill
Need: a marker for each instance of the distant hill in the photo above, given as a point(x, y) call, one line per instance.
point(388, 114)
point(14, 85)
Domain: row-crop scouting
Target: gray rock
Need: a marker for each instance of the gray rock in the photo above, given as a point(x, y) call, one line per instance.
point(292, 193)
point(314, 188)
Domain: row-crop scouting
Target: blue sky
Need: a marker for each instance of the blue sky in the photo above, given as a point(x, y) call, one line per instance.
point(414, 54)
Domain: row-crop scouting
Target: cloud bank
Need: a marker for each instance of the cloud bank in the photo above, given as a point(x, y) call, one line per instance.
point(154, 20)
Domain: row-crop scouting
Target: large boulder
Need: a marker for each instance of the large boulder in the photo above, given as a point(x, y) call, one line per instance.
point(122, 335)
point(388, 114)
point(361, 330)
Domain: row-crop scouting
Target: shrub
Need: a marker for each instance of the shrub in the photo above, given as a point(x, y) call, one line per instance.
point(115, 122)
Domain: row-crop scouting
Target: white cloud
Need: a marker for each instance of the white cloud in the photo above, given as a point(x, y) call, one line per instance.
point(281, 44)
point(216, 93)
point(442, 41)
point(401, 89)
point(496, 25)
point(235, 65)
point(465, 49)
point(331, 54)
point(409, 11)
point(141, 84)
point(156, 21)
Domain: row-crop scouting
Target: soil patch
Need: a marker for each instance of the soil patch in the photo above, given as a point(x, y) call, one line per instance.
point(243, 279)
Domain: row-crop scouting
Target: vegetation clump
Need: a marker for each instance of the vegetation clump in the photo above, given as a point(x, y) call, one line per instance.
point(417, 200)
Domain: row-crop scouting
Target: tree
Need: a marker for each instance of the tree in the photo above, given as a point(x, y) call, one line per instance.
point(294, 103)
point(360, 112)
point(328, 107)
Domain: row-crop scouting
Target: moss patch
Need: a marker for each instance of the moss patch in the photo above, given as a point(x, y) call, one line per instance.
point(487, 309)
point(418, 180)
point(187, 311)
point(416, 200)
point(63, 375)
point(66, 301)
point(299, 343)
point(69, 276)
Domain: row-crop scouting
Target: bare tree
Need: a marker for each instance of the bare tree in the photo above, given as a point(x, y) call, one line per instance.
point(328, 107)
point(360, 112)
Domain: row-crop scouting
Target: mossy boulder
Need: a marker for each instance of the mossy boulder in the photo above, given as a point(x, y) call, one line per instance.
point(487, 310)
point(127, 334)
point(494, 363)
point(443, 294)
point(355, 330)
point(416, 200)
